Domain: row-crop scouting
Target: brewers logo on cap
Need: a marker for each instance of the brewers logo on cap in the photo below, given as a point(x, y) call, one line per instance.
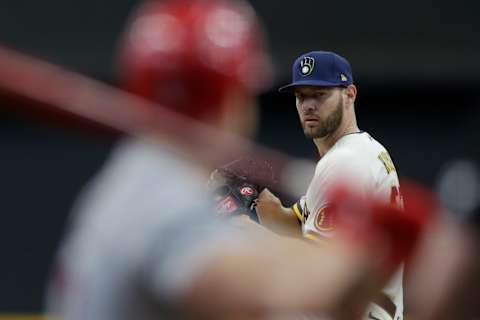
point(306, 66)
point(343, 77)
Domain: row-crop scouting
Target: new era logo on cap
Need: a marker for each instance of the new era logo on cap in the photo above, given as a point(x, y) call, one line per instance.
point(320, 68)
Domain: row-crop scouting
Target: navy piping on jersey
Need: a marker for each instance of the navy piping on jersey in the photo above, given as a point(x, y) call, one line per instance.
point(361, 131)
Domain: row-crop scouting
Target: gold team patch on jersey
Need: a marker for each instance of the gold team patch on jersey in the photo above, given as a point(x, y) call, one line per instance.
point(324, 219)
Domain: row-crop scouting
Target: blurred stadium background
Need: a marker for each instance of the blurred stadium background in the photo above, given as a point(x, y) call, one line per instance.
point(415, 63)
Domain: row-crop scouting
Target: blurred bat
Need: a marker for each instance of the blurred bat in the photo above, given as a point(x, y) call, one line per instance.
point(59, 91)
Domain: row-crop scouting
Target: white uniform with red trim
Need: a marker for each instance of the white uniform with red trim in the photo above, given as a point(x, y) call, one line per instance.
point(366, 166)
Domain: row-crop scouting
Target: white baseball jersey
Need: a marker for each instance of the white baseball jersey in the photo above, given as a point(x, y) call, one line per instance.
point(139, 234)
point(364, 164)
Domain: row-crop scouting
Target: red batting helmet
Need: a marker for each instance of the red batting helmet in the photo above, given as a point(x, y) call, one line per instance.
point(186, 54)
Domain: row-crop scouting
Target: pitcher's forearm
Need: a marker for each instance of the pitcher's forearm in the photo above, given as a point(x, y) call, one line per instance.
point(281, 220)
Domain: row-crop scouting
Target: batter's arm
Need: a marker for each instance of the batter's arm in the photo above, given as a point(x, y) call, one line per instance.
point(274, 216)
point(253, 281)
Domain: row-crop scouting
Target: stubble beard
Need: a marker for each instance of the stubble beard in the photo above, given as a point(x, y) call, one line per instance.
point(328, 126)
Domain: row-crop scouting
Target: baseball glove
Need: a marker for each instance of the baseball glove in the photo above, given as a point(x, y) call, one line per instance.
point(236, 186)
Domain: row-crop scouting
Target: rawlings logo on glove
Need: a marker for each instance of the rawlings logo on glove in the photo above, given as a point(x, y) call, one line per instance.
point(233, 187)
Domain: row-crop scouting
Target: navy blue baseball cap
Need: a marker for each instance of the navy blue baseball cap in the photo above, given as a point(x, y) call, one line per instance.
point(320, 68)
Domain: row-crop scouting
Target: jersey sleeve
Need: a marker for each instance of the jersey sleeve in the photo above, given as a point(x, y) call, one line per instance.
point(299, 210)
point(344, 168)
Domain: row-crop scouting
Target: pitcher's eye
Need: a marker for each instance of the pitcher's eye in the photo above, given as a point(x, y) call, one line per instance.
point(299, 96)
point(319, 94)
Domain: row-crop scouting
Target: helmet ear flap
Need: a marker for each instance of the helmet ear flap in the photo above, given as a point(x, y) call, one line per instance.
point(187, 54)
